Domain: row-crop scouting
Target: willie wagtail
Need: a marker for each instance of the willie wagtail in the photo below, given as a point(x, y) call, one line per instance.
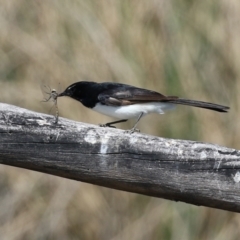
point(124, 101)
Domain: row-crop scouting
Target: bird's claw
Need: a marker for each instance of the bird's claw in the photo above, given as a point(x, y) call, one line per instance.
point(106, 125)
point(133, 130)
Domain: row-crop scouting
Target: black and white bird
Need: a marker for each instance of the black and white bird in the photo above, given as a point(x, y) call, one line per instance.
point(125, 102)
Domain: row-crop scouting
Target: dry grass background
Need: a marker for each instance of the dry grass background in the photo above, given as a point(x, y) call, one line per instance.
point(186, 48)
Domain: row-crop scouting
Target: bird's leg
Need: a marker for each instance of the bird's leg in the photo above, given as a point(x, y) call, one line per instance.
point(110, 123)
point(135, 125)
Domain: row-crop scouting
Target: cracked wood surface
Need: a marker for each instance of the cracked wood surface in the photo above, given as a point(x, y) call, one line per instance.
point(192, 172)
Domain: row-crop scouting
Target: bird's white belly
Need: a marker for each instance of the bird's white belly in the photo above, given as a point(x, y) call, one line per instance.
point(133, 111)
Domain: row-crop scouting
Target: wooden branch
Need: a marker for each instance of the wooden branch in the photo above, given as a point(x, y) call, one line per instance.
point(192, 172)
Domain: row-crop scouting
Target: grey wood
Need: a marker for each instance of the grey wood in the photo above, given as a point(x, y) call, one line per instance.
point(188, 171)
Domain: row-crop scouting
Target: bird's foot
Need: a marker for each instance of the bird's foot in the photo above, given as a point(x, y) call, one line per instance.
point(110, 124)
point(133, 130)
point(106, 125)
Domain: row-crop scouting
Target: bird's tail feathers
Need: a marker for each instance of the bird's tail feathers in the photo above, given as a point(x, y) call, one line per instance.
point(200, 104)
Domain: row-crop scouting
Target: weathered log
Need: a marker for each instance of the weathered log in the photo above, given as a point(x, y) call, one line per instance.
point(188, 171)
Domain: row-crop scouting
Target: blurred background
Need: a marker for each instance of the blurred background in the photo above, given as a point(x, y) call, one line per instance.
point(185, 48)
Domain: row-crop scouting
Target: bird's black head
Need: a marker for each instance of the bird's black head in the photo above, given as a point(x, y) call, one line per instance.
point(73, 91)
point(81, 91)
point(76, 90)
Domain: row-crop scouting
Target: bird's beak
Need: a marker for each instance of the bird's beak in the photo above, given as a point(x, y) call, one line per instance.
point(61, 94)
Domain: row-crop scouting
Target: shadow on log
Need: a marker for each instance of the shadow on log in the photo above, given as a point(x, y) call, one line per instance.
point(192, 172)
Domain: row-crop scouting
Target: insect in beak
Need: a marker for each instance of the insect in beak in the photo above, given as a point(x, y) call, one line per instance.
point(52, 95)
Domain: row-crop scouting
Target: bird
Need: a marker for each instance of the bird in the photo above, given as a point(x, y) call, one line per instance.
point(125, 102)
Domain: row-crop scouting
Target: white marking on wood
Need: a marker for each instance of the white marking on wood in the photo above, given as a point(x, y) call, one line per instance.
point(103, 149)
point(179, 152)
point(203, 155)
point(233, 163)
point(219, 163)
point(133, 140)
point(57, 136)
point(104, 145)
point(236, 177)
point(91, 137)
point(43, 122)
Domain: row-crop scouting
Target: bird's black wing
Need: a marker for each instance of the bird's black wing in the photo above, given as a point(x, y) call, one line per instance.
point(128, 95)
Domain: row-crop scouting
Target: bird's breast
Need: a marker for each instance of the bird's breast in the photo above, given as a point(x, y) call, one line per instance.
point(132, 111)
